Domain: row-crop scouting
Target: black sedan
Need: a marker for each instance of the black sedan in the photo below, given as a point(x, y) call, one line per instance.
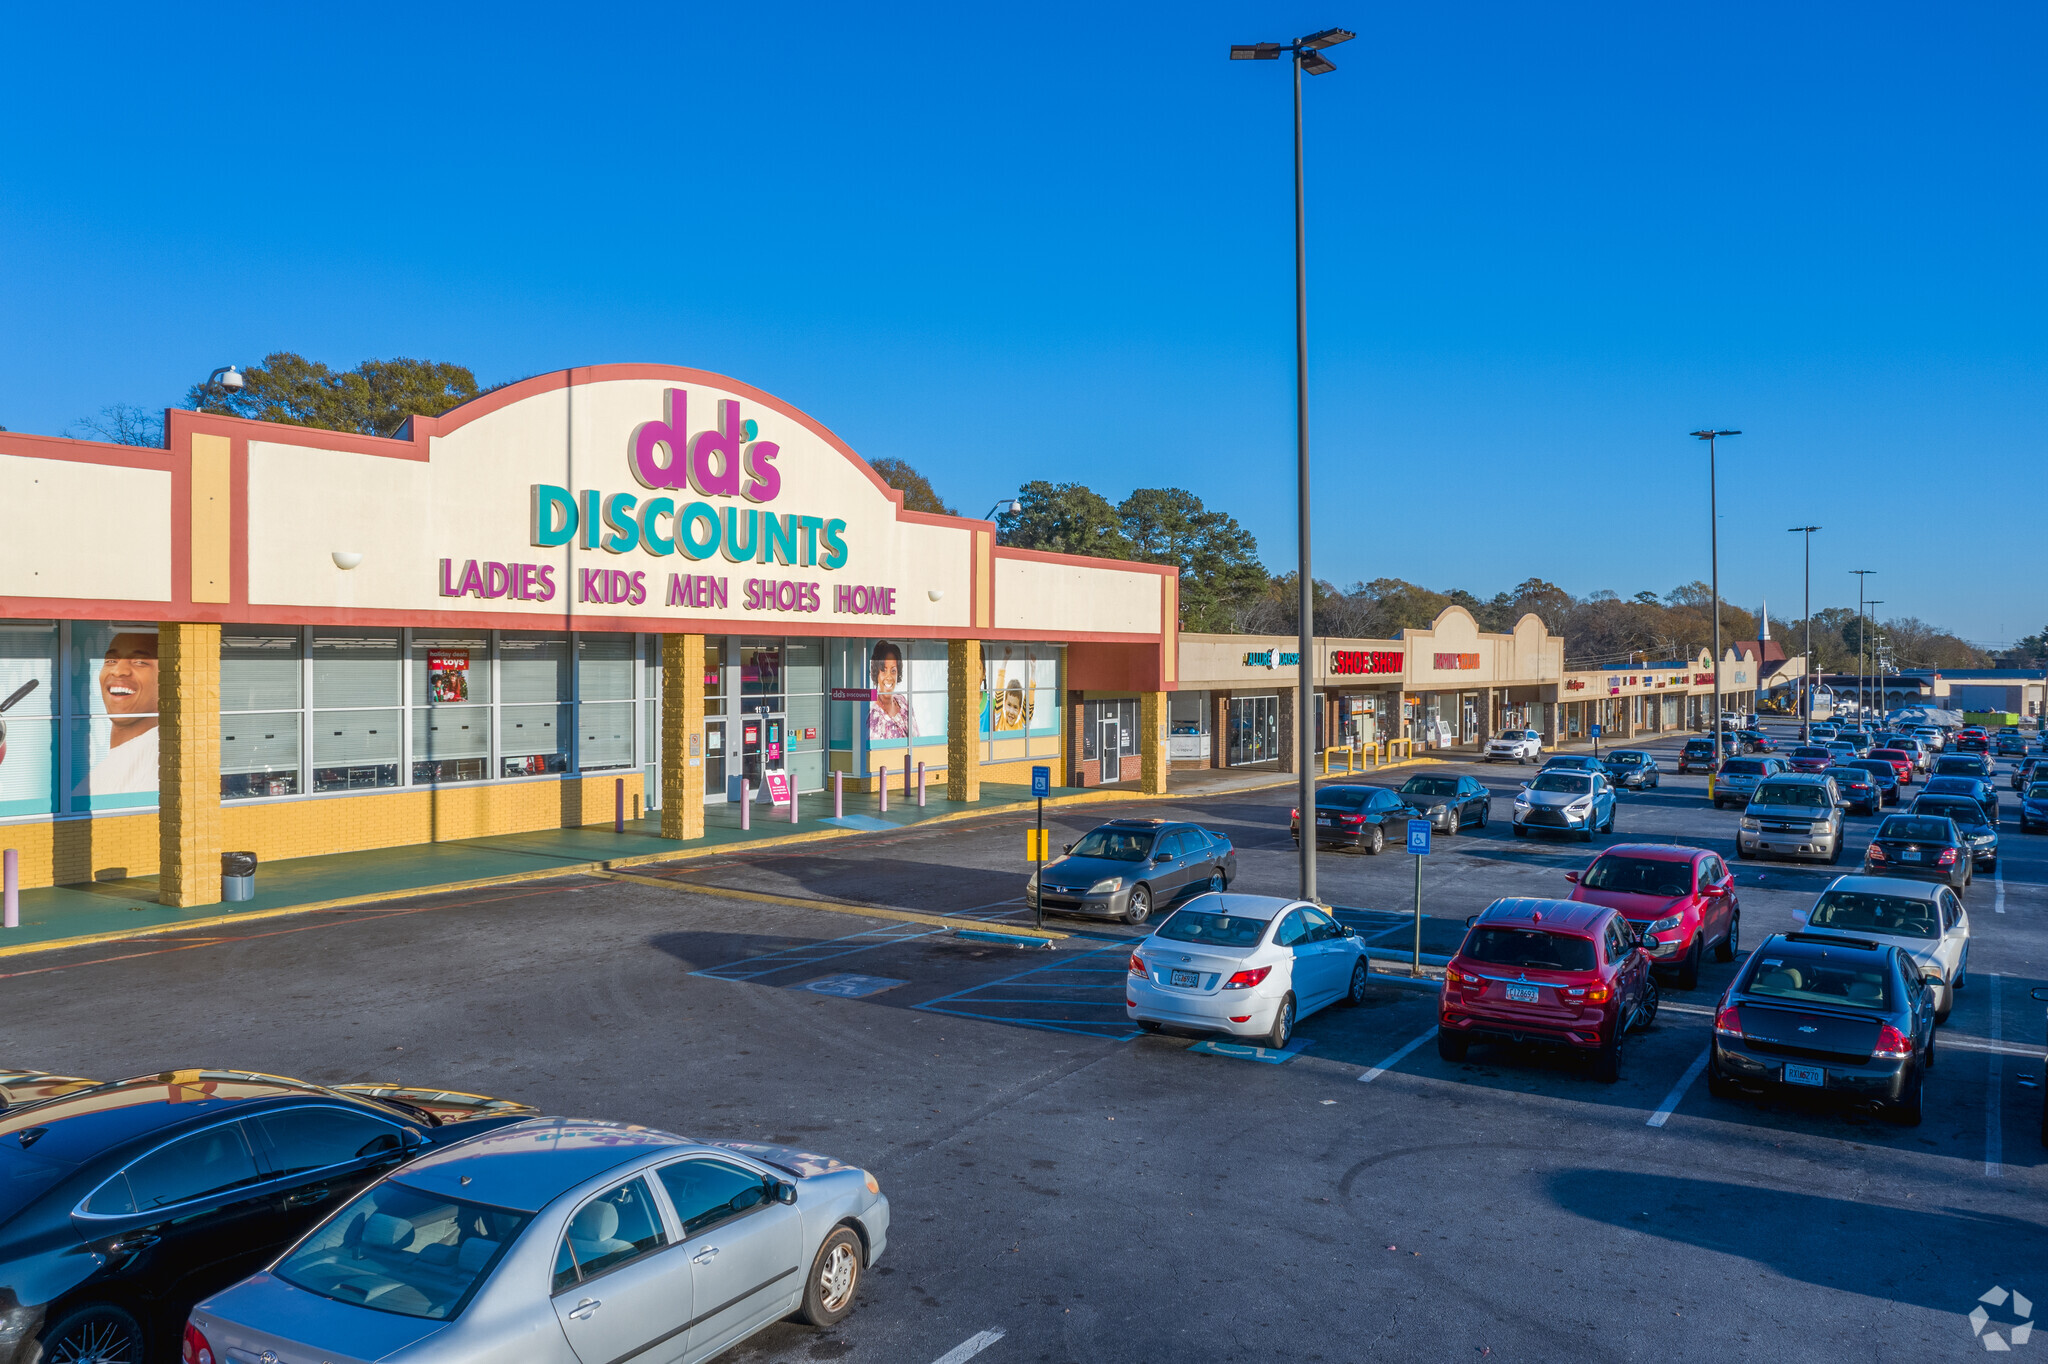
point(1979, 833)
point(1816, 1013)
point(1924, 847)
point(1757, 741)
point(1883, 773)
point(1367, 817)
point(123, 1204)
point(1972, 788)
point(1449, 803)
point(1632, 769)
point(1859, 788)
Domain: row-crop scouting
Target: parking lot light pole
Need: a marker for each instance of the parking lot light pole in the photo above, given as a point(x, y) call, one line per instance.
point(1876, 663)
point(1307, 54)
point(1806, 729)
point(1862, 574)
point(1714, 569)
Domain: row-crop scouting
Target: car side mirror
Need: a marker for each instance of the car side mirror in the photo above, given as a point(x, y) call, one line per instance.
point(2040, 992)
point(1471, 919)
point(1069, 848)
point(411, 1141)
point(785, 1192)
point(1572, 877)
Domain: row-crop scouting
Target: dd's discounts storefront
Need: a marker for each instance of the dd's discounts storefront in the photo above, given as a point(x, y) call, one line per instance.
point(303, 641)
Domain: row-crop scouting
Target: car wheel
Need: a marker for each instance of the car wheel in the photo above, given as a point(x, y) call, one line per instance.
point(1359, 976)
point(1139, 907)
point(1731, 942)
point(1992, 865)
point(1741, 852)
point(2044, 1115)
point(1718, 1087)
point(1927, 1063)
point(1646, 1012)
point(1218, 882)
point(1906, 1112)
point(1520, 832)
point(1377, 841)
point(1480, 822)
point(1283, 1024)
point(1451, 826)
point(1607, 1061)
point(1148, 1024)
point(1689, 969)
point(835, 1274)
point(1453, 1047)
point(97, 1333)
point(1835, 851)
point(1947, 1006)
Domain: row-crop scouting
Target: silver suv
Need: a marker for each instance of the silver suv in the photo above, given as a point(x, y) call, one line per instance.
point(1739, 776)
point(1793, 814)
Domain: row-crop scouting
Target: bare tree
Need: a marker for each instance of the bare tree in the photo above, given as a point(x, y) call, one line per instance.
point(122, 424)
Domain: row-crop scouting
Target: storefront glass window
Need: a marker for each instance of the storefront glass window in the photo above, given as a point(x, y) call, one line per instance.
point(261, 671)
point(357, 741)
point(604, 680)
point(1254, 730)
point(1020, 710)
point(28, 726)
point(451, 720)
point(114, 739)
point(534, 723)
point(760, 675)
point(804, 683)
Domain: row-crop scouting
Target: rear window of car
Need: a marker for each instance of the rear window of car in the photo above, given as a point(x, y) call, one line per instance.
point(1811, 753)
point(1875, 767)
point(1815, 979)
point(1848, 776)
point(1961, 811)
point(1530, 947)
point(1915, 829)
point(1899, 916)
point(1342, 798)
point(1639, 876)
point(1790, 793)
point(1742, 767)
point(1958, 767)
point(1217, 930)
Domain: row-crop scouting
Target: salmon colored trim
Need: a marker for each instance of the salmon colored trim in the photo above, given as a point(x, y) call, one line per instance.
point(84, 451)
point(1084, 561)
point(181, 530)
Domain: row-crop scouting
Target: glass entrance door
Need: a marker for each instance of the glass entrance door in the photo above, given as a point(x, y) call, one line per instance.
point(1109, 743)
point(714, 760)
point(763, 749)
point(1254, 729)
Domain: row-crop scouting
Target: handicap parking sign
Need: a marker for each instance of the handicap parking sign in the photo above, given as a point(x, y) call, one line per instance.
point(1596, 731)
point(1418, 836)
point(1041, 781)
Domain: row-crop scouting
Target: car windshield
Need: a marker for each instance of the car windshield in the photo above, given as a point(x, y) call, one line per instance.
point(1530, 947)
point(1915, 829)
point(1818, 980)
point(1811, 753)
point(1430, 786)
point(1570, 783)
point(2038, 791)
point(1742, 767)
point(1114, 845)
point(1639, 876)
point(399, 1249)
point(1790, 793)
point(1217, 930)
point(1900, 916)
point(1966, 812)
point(1625, 758)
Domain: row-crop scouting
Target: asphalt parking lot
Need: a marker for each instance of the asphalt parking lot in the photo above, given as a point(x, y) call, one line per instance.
point(1091, 1193)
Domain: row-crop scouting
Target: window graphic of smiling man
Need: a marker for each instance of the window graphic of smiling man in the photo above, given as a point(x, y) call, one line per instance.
point(128, 690)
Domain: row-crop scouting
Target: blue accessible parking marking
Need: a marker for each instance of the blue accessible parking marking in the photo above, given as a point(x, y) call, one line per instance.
point(865, 823)
point(848, 985)
point(1082, 994)
point(1247, 1051)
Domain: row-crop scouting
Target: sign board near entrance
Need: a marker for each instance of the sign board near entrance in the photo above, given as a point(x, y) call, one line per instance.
point(778, 788)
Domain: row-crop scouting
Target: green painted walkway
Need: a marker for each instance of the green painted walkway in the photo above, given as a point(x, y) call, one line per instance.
point(106, 910)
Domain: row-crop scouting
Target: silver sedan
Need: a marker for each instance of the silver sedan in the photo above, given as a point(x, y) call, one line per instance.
point(560, 1241)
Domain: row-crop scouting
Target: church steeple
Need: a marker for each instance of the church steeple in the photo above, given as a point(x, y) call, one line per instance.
point(1765, 617)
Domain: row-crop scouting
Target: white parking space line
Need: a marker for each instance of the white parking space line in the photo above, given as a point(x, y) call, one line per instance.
point(1994, 1099)
point(970, 1347)
point(1666, 1006)
point(1998, 887)
point(1692, 1072)
point(1396, 1059)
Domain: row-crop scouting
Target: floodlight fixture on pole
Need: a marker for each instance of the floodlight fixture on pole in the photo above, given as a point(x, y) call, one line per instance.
point(226, 379)
point(1806, 667)
point(1308, 56)
point(1714, 557)
point(1009, 507)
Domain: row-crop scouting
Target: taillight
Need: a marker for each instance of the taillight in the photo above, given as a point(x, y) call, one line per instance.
point(1137, 964)
point(1598, 994)
point(198, 1349)
point(1728, 1022)
point(1876, 853)
point(1245, 980)
point(1466, 978)
point(1294, 813)
point(1947, 858)
point(1353, 820)
point(1891, 1042)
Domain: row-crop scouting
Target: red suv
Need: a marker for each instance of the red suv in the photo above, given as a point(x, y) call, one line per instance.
point(1682, 900)
point(1554, 971)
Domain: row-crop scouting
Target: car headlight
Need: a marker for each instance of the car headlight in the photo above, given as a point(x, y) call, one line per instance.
point(1749, 825)
point(1107, 886)
point(1522, 799)
point(1668, 922)
point(1819, 826)
point(1436, 810)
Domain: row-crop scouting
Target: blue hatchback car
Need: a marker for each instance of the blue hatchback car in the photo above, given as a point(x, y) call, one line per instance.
point(2034, 808)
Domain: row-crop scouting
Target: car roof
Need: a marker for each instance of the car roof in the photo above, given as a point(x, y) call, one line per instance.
point(1822, 944)
point(527, 1165)
point(1570, 915)
point(79, 1126)
point(1656, 852)
point(1798, 778)
point(1885, 885)
point(1141, 825)
point(1244, 906)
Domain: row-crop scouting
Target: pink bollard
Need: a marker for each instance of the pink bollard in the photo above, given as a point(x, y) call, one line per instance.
point(882, 785)
point(792, 798)
point(619, 806)
point(746, 806)
point(10, 875)
point(839, 795)
point(920, 786)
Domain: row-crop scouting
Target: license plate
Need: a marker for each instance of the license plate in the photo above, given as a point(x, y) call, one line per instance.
point(1187, 979)
point(1521, 994)
point(1805, 1075)
point(1326, 819)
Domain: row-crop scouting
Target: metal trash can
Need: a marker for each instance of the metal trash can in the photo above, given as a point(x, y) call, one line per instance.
point(238, 876)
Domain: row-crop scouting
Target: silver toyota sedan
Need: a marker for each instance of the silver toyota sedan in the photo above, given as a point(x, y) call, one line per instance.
point(561, 1241)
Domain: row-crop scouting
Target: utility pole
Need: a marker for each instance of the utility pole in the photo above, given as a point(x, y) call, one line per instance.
point(1806, 686)
point(1714, 554)
point(1861, 575)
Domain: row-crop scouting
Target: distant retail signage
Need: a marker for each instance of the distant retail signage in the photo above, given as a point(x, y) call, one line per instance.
point(1271, 658)
point(853, 693)
point(1703, 679)
point(1452, 663)
point(1574, 684)
point(1365, 662)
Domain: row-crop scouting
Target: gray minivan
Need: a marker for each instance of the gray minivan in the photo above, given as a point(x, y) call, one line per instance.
point(1738, 778)
point(1793, 814)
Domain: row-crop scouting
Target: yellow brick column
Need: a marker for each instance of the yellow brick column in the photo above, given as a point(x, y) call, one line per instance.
point(188, 764)
point(963, 719)
point(682, 736)
point(1153, 763)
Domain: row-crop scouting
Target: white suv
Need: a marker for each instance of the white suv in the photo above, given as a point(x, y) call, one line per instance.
point(1518, 744)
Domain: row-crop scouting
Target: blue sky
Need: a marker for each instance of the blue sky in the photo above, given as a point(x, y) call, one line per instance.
point(1055, 242)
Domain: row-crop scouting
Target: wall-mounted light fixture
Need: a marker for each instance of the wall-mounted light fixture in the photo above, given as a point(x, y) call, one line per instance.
point(345, 559)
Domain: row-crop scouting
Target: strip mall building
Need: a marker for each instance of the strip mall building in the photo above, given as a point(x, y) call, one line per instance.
point(303, 642)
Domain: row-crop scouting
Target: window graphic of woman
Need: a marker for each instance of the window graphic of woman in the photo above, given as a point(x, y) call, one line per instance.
point(889, 714)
